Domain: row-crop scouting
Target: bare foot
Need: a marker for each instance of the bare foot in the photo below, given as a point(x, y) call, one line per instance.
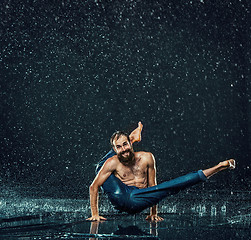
point(135, 135)
point(228, 164)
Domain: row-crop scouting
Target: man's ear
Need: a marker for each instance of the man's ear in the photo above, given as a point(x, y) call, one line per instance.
point(114, 149)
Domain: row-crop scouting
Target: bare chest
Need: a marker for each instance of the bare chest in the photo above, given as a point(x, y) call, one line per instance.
point(138, 172)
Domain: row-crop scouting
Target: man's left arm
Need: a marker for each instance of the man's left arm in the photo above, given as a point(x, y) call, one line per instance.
point(152, 182)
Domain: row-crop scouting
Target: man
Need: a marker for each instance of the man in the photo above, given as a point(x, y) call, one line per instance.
point(129, 178)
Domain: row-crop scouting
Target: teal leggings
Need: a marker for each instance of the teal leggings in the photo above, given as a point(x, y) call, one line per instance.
point(132, 200)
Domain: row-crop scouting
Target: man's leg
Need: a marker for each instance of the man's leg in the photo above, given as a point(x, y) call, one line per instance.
point(148, 197)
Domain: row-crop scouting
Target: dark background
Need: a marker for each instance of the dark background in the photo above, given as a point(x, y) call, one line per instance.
point(73, 72)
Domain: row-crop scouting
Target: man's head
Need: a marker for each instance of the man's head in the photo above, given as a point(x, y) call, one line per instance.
point(122, 146)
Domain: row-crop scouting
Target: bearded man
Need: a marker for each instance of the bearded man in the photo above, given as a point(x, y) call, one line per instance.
point(129, 178)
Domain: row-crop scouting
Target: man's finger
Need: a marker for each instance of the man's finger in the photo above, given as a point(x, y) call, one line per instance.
point(91, 219)
point(160, 219)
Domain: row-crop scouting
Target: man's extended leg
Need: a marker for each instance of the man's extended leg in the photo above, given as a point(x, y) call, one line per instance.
point(147, 197)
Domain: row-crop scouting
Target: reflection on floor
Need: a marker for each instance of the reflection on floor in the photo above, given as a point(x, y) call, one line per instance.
point(187, 216)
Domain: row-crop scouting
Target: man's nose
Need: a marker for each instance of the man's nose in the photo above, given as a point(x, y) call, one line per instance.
point(123, 148)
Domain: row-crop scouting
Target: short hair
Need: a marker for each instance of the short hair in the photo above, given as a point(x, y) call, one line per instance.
point(116, 135)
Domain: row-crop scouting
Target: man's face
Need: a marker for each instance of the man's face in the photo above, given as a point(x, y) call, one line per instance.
point(124, 149)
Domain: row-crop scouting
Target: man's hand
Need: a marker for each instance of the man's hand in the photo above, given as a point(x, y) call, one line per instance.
point(154, 218)
point(96, 218)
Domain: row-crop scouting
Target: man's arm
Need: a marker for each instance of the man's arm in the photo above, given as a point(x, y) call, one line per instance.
point(152, 182)
point(101, 177)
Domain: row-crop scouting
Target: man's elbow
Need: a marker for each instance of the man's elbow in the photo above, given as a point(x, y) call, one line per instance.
point(152, 185)
point(93, 188)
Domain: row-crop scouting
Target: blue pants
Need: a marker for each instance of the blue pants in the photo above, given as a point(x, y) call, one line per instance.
point(132, 200)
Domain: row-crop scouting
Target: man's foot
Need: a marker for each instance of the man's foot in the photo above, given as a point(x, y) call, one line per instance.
point(135, 135)
point(228, 164)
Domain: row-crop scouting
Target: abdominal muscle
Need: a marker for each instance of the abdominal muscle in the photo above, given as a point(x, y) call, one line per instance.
point(139, 182)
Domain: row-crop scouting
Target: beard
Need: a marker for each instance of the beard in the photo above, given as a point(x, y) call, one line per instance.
point(128, 160)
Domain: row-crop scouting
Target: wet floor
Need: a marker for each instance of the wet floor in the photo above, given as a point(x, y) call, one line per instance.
point(186, 216)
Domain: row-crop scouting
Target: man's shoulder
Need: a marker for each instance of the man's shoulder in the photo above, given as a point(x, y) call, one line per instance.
point(144, 155)
point(112, 161)
point(147, 158)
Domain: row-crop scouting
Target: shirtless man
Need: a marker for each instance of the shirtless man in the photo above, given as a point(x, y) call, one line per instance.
point(129, 178)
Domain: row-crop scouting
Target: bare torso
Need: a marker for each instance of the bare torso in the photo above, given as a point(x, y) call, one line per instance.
point(135, 175)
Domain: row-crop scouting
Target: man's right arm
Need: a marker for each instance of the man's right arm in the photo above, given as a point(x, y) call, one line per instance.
point(107, 169)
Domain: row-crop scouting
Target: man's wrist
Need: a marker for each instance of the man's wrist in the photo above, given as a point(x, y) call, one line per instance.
point(153, 210)
point(95, 213)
